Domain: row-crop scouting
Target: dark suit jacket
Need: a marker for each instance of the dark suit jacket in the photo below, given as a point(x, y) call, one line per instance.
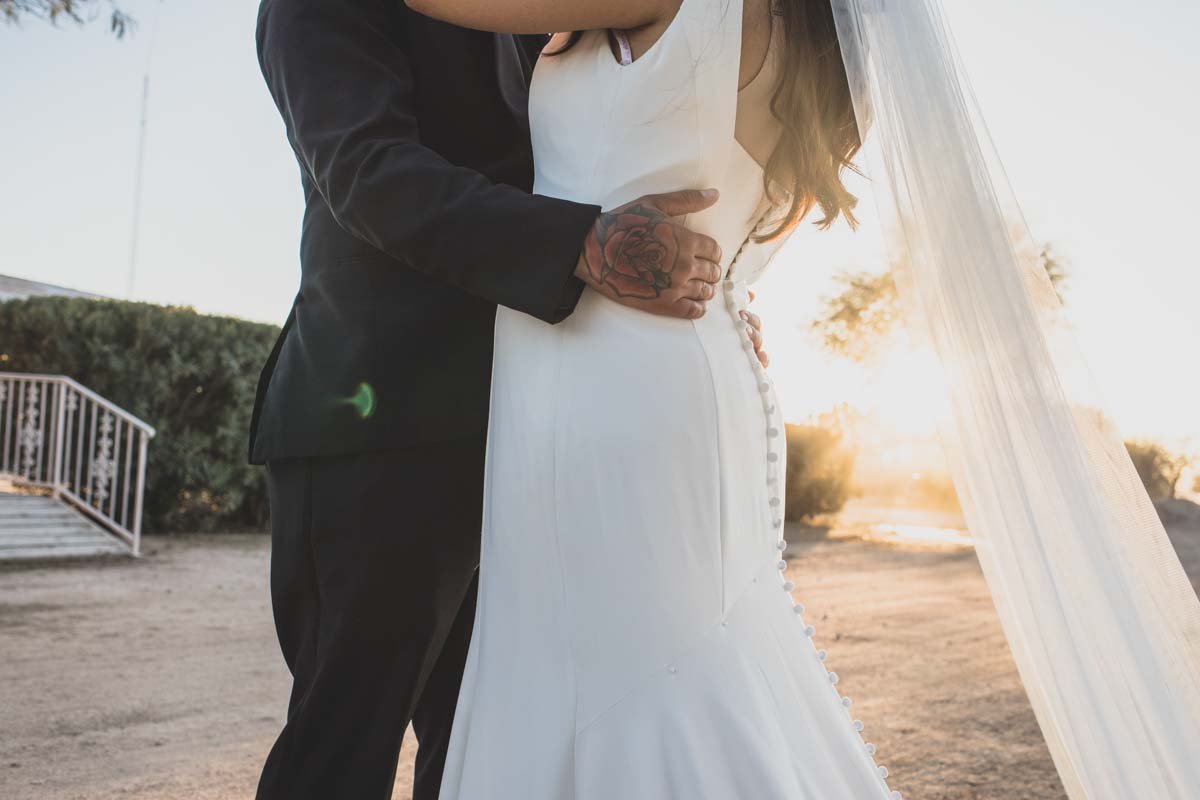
point(414, 154)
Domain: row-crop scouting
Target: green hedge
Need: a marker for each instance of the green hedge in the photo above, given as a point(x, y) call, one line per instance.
point(190, 375)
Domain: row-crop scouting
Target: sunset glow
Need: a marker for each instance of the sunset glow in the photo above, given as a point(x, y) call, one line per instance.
point(222, 206)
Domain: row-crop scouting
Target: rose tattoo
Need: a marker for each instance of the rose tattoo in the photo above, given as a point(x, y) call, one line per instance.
point(634, 252)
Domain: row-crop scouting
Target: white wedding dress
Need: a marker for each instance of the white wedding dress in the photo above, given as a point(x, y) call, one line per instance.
point(635, 639)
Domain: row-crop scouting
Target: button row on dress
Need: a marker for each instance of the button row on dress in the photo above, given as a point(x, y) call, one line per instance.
point(764, 387)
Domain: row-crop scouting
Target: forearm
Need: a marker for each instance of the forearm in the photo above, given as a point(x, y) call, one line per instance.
point(539, 16)
point(490, 240)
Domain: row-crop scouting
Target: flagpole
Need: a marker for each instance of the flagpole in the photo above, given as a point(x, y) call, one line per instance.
point(137, 189)
point(135, 232)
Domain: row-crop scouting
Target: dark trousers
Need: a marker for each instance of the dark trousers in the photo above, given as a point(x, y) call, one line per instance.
point(373, 581)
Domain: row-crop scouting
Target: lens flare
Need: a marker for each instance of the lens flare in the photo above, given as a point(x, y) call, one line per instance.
point(362, 401)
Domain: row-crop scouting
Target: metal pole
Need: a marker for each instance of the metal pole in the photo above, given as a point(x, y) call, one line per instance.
point(60, 416)
point(137, 188)
point(141, 157)
point(143, 441)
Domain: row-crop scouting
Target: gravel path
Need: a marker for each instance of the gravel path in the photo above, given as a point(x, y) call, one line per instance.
point(160, 679)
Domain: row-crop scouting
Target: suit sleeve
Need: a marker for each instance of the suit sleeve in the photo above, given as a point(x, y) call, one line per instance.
point(343, 84)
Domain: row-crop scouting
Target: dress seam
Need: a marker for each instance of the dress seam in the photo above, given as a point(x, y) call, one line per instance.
point(712, 378)
point(685, 653)
point(560, 332)
point(712, 385)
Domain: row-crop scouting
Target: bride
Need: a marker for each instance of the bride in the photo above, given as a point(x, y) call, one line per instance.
point(635, 638)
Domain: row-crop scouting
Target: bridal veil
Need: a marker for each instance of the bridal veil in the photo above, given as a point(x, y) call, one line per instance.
point(1101, 619)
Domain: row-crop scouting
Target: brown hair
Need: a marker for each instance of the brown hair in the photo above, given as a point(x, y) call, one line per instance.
point(820, 134)
point(813, 104)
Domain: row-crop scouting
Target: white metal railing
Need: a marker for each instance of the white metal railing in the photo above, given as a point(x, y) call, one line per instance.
point(56, 434)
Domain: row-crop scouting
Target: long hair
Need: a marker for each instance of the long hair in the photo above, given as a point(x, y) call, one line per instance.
point(820, 134)
point(812, 103)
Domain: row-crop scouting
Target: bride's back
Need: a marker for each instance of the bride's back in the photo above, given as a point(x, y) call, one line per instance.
point(635, 473)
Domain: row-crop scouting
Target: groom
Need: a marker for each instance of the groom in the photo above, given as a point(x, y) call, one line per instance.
point(413, 146)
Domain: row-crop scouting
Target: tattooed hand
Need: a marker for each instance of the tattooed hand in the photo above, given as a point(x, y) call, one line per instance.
point(639, 256)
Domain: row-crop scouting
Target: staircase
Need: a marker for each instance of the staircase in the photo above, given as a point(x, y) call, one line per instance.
point(34, 527)
point(72, 470)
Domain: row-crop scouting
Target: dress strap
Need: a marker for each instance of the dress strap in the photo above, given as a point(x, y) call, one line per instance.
point(626, 52)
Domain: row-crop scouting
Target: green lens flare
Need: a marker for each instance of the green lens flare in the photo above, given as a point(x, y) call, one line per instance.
point(363, 401)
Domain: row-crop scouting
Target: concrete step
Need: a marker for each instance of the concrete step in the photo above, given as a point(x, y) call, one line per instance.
point(18, 543)
point(40, 553)
point(35, 512)
point(37, 527)
point(71, 521)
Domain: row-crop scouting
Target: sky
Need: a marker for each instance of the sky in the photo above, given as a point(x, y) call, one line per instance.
point(1088, 104)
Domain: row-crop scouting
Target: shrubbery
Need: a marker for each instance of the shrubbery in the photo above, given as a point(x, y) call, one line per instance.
point(193, 377)
point(1159, 468)
point(819, 471)
point(189, 375)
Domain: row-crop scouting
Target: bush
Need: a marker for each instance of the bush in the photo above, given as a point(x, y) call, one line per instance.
point(819, 470)
point(189, 375)
point(1159, 469)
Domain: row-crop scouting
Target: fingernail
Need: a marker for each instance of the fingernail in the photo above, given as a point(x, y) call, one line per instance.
point(710, 194)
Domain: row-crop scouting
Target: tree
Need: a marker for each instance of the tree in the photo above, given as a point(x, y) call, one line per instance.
point(78, 11)
point(1159, 469)
point(856, 321)
point(820, 467)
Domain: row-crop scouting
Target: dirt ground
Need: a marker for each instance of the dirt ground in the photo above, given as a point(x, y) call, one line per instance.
point(161, 679)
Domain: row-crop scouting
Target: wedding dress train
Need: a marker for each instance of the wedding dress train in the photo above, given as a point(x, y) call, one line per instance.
point(635, 639)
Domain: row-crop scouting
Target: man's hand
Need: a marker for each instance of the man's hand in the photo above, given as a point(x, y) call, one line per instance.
point(640, 257)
